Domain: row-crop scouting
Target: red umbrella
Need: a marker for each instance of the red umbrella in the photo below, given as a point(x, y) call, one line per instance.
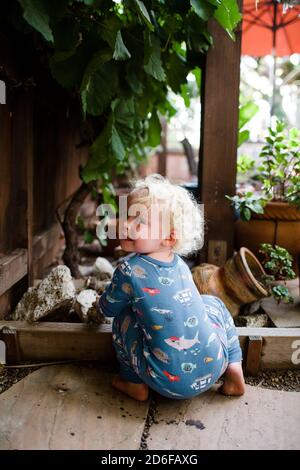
point(267, 29)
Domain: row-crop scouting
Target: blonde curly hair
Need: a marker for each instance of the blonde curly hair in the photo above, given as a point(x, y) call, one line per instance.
point(185, 214)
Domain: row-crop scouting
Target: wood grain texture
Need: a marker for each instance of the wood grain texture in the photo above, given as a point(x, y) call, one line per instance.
point(46, 341)
point(253, 355)
point(57, 341)
point(13, 267)
point(219, 130)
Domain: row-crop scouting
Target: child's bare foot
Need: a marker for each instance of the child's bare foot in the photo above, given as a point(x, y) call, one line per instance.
point(234, 383)
point(139, 392)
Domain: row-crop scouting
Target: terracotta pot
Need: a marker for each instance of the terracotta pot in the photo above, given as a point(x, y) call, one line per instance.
point(279, 225)
point(236, 283)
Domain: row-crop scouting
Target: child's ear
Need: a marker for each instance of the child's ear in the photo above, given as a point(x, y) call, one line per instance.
point(171, 239)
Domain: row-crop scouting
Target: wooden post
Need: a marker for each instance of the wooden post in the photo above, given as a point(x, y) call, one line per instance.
point(29, 179)
point(253, 355)
point(218, 146)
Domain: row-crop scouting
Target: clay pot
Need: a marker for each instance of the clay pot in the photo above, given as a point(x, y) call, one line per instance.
point(278, 225)
point(236, 283)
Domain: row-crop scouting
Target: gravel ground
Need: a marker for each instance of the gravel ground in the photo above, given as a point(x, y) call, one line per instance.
point(9, 377)
point(288, 380)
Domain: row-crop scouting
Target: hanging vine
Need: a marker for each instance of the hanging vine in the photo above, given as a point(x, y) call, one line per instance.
point(120, 58)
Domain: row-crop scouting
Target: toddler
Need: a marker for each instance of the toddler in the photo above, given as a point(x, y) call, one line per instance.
point(166, 335)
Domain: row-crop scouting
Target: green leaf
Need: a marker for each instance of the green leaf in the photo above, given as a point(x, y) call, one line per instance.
point(154, 131)
point(185, 93)
point(228, 16)
point(246, 214)
point(36, 15)
point(121, 52)
point(123, 127)
point(246, 113)
point(66, 34)
point(203, 9)
point(99, 84)
point(118, 148)
point(143, 13)
point(111, 33)
point(245, 163)
point(80, 222)
point(215, 2)
point(88, 236)
point(243, 137)
point(153, 65)
point(67, 67)
point(198, 38)
point(197, 73)
point(101, 158)
point(98, 59)
point(86, 2)
point(175, 80)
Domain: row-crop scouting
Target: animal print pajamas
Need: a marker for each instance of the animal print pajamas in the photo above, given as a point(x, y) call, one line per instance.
point(165, 333)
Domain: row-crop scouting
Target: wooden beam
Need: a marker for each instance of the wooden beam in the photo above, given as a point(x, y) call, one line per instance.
point(46, 247)
point(8, 66)
point(218, 143)
point(45, 240)
point(46, 341)
point(13, 267)
point(280, 348)
point(253, 355)
point(28, 124)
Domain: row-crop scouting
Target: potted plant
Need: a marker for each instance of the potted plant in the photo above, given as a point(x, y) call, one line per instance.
point(277, 263)
point(240, 281)
point(273, 215)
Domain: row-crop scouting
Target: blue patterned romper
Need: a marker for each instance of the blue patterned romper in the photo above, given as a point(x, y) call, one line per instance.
point(165, 333)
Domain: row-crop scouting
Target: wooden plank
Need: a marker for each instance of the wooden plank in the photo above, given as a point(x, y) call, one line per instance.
point(9, 338)
point(283, 353)
point(261, 419)
point(21, 142)
point(219, 131)
point(13, 267)
point(45, 240)
point(253, 355)
point(47, 341)
point(46, 247)
point(5, 173)
point(69, 408)
point(280, 349)
point(8, 66)
point(29, 186)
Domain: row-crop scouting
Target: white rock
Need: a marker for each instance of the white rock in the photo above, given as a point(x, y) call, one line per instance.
point(103, 269)
point(86, 270)
point(54, 293)
point(84, 305)
point(252, 321)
